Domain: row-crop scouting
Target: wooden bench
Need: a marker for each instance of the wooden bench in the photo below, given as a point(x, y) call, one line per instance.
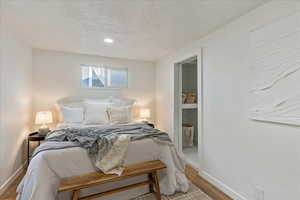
point(76, 183)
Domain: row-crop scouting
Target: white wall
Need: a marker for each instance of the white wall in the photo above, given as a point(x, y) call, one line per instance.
point(57, 75)
point(1, 94)
point(15, 101)
point(239, 154)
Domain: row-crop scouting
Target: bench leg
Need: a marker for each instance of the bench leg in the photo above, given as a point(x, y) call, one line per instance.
point(150, 185)
point(75, 195)
point(156, 185)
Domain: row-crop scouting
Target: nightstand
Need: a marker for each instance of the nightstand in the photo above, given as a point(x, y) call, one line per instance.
point(33, 137)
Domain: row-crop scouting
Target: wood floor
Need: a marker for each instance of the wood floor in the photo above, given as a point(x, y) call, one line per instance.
point(10, 193)
point(204, 185)
point(192, 174)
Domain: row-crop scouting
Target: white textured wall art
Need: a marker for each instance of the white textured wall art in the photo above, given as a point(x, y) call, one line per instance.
point(275, 52)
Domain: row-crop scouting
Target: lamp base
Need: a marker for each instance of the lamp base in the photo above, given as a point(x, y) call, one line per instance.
point(145, 121)
point(43, 130)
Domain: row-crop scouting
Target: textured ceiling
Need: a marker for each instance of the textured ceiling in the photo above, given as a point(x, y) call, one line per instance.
point(142, 29)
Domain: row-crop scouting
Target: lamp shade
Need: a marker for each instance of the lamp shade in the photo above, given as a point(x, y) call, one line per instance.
point(145, 113)
point(43, 117)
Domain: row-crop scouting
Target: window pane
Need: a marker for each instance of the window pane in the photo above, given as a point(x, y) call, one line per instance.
point(85, 79)
point(117, 77)
point(98, 76)
point(92, 77)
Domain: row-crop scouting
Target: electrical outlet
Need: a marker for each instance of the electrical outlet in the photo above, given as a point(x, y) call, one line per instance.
point(259, 193)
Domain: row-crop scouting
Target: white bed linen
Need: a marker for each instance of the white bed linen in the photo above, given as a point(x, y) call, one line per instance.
point(46, 169)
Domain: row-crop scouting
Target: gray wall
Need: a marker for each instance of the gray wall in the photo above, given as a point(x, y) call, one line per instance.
point(189, 84)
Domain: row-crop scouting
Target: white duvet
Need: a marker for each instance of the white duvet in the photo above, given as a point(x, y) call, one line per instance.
point(48, 167)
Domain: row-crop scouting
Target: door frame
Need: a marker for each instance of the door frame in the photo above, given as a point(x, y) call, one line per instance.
point(176, 110)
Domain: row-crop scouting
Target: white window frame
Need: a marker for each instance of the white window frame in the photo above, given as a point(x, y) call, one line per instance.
point(107, 68)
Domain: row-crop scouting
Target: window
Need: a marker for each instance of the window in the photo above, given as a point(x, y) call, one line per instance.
point(93, 76)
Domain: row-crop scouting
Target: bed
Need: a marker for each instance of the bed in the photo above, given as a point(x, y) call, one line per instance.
point(49, 165)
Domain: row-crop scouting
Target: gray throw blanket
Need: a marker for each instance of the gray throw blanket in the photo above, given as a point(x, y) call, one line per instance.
point(99, 141)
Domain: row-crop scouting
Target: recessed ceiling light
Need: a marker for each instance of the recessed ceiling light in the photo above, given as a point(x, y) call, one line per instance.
point(108, 40)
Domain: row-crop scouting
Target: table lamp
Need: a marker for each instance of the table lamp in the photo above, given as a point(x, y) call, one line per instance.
point(145, 114)
point(43, 118)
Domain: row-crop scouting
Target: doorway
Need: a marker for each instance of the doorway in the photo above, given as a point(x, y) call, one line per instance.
point(188, 108)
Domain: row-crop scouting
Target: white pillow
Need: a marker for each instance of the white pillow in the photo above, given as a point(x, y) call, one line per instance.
point(114, 101)
point(122, 102)
point(72, 115)
point(96, 113)
point(120, 114)
point(90, 100)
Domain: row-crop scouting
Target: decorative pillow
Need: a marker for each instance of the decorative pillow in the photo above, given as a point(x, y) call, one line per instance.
point(94, 100)
point(120, 114)
point(96, 113)
point(72, 115)
point(122, 102)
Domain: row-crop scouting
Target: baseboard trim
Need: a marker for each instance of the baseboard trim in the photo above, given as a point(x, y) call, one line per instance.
point(12, 178)
point(221, 186)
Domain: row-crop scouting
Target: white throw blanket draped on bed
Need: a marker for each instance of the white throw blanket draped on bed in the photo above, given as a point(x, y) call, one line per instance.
point(45, 170)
